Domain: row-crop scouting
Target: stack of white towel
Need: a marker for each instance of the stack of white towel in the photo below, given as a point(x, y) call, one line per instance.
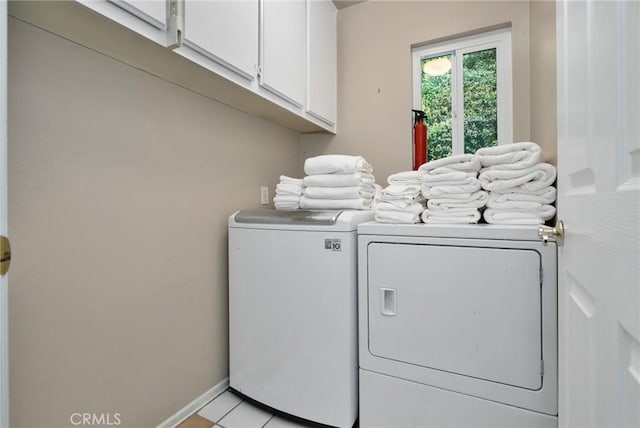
point(452, 188)
point(520, 186)
point(337, 182)
point(401, 201)
point(288, 193)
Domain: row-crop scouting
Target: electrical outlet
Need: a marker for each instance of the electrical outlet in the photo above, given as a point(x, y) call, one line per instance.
point(264, 195)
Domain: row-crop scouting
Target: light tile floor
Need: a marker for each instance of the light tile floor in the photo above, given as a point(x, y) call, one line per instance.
point(229, 410)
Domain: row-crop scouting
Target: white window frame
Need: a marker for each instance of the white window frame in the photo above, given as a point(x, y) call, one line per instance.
point(498, 39)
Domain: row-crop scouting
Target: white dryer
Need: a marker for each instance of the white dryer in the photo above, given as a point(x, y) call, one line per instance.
point(457, 326)
point(293, 311)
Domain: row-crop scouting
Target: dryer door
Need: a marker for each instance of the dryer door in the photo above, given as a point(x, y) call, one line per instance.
point(473, 311)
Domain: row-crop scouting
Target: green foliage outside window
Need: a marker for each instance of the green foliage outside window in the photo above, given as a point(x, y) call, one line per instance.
point(480, 100)
point(436, 103)
point(480, 105)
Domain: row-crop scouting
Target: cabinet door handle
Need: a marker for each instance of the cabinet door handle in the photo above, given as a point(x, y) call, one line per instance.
point(388, 302)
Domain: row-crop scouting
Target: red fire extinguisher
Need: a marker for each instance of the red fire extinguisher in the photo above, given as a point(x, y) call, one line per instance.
point(419, 139)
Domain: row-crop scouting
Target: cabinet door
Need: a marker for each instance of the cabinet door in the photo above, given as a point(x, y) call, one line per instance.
point(153, 12)
point(283, 49)
point(322, 65)
point(145, 17)
point(225, 31)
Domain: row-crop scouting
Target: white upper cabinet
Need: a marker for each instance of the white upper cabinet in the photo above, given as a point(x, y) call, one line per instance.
point(153, 12)
point(322, 66)
point(146, 17)
point(274, 59)
point(225, 31)
point(283, 49)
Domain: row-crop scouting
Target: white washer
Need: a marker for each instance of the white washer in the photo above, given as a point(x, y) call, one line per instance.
point(458, 326)
point(293, 311)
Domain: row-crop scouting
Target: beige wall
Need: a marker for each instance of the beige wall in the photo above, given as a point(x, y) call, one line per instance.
point(374, 73)
point(542, 18)
point(120, 185)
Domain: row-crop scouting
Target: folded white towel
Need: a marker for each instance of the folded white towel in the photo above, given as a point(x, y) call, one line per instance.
point(536, 177)
point(468, 185)
point(287, 207)
point(341, 164)
point(345, 192)
point(324, 204)
point(546, 195)
point(395, 191)
point(446, 175)
point(286, 199)
point(378, 189)
point(286, 202)
point(457, 196)
point(393, 216)
point(476, 200)
point(466, 162)
point(288, 189)
point(457, 216)
point(401, 205)
point(290, 180)
point(496, 216)
point(510, 156)
point(515, 205)
point(337, 180)
point(405, 177)
point(521, 201)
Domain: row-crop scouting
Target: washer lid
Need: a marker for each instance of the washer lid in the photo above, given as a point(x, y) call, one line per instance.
point(316, 220)
point(300, 217)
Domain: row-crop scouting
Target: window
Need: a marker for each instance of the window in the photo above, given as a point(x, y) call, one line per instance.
point(464, 88)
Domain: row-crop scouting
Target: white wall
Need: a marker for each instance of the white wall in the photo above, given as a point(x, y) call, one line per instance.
point(120, 185)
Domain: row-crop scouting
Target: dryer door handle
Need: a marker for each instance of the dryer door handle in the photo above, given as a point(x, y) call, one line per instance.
point(388, 302)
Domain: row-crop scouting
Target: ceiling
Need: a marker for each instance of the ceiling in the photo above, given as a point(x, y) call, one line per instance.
point(341, 4)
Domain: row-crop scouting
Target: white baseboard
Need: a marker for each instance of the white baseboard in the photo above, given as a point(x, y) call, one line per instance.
point(195, 405)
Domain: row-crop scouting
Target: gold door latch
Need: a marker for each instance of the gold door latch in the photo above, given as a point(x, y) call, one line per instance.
point(5, 254)
point(556, 233)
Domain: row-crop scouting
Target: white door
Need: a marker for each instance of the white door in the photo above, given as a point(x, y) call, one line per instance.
point(599, 194)
point(4, 330)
